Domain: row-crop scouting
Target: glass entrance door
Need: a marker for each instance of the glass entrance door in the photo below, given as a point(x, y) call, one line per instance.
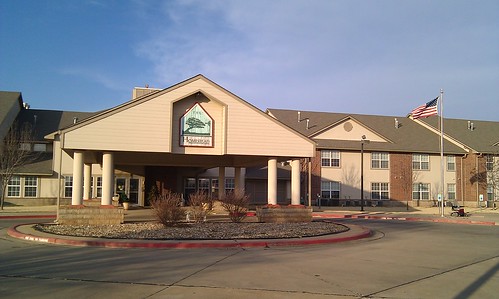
point(134, 190)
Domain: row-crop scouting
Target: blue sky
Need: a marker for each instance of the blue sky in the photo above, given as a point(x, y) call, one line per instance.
point(370, 57)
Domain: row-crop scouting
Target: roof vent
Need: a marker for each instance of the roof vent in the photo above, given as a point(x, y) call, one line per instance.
point(397, 124)
point(75, 120)
point(299, 116)
point(471, 126)
point(26, 105)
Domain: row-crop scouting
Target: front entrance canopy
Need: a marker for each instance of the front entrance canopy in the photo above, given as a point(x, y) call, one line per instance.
point(195, 123)
point(152, 123)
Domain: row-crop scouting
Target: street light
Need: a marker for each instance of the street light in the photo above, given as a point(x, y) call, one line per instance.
point(362, 141)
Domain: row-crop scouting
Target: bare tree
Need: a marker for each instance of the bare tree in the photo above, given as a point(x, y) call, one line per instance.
point(15, 152)
point(493, 176)
point(408, 172)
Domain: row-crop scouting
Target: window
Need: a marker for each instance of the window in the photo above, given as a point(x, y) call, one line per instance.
point(451, 163)
point(379, 191)
point(214, 185)
point(330, 158)
point(204, 185)
point(420, 191)
point(489, 162)
point(420, 161)
point(230, 184)
point(39, 147)
point(25, 147)
point(99, 187)
point(30, 186)
point(379, 160)
point(14, 187)
point(490, 192)
point(68, 186)
point(451, 192)
point(330, 189)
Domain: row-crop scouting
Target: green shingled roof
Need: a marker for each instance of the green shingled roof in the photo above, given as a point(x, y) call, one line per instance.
point(407, 137)
point(483, 137)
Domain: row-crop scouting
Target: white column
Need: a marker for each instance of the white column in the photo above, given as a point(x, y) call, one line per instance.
point(272, 182)
point(107, 178)
point(221, 182)
point(295, 182)
point(238, 180)
point(87, 181)
point(77, 194)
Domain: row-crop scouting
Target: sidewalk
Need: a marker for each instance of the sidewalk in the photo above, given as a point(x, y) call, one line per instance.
point(485, 216)
point(434, 213)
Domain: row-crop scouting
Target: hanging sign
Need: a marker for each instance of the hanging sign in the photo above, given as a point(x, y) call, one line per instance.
point(196, 127)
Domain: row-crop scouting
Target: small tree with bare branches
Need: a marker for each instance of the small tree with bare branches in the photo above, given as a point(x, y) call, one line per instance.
point(15, 152)
point(236, 204)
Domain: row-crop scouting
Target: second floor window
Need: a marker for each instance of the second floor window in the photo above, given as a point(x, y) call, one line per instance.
point(420, 161)
point(379, 160)
point(451, 163)
point(330, 158)
point(489, 162)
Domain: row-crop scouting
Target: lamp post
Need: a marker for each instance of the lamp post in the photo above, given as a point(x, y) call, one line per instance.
point(362, 141)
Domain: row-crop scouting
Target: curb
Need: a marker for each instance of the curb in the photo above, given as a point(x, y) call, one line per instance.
point(24, 216)
point(363, 232)
point(421, 219)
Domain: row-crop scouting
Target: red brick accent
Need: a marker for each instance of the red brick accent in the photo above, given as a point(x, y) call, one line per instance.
point(401, 176)
point(316, 175)
point(474, 177)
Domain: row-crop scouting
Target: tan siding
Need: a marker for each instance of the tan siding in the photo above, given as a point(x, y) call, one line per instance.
point(250, 133)
point(349, 130)
point(148, 126)
point(145, 127)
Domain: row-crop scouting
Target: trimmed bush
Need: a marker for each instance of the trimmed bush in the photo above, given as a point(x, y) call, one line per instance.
point(168, 208)
point(236, 204)
point(200, 206)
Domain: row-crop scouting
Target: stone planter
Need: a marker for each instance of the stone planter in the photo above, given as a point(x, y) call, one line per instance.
point(284, 214)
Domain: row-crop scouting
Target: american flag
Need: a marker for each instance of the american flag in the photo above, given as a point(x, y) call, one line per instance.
point(425, 110)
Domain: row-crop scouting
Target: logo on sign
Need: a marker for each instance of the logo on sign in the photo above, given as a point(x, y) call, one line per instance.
point(196, 127)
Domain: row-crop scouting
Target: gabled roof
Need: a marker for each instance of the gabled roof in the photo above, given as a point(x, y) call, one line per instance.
point(45, 122)
point(8, 110)
point(483, 137)
point(409, 136)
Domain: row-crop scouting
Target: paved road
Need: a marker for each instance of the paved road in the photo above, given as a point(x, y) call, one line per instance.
point(402, 260)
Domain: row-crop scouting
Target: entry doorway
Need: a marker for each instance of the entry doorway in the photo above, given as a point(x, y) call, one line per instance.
point(130, 186)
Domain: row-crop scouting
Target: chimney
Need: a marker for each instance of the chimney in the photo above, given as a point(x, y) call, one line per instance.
point(141, 91)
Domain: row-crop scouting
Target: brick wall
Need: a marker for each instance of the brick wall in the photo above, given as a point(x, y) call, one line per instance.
point(316, 175)
point(473, 178)
point(401, 176)
point(90, 215)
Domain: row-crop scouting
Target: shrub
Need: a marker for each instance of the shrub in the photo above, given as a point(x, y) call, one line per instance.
point(200, 206)
point(236, 204)
point(168, 207)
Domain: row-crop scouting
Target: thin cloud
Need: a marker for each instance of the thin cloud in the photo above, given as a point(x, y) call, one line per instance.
point(96, 76)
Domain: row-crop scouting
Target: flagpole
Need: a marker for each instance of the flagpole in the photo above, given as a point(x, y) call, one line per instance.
point(442, 165)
